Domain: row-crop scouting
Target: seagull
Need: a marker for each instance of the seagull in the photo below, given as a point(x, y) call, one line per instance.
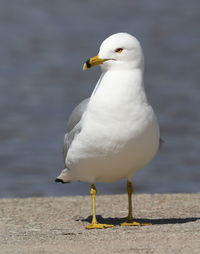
point(115, 132)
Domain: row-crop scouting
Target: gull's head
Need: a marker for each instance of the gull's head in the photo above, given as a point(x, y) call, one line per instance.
point(118, 51)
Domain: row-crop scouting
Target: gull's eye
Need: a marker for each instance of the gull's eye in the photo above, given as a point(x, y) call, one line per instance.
point(119, 50)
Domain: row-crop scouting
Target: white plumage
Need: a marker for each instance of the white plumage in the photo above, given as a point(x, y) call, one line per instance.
point(117, 133)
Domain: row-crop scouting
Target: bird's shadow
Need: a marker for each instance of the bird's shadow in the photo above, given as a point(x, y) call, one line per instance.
point(118, 221)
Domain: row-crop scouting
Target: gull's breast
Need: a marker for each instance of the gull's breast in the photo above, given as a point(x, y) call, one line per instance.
point(111, 147)
point(119, 132)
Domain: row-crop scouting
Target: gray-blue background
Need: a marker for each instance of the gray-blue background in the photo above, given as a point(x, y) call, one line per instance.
point(43, 44)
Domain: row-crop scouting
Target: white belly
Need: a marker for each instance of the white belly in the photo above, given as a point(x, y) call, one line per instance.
point(108, 151)
point(119, 134)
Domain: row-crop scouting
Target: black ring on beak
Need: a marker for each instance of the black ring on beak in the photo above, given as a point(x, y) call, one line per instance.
point(88, 63)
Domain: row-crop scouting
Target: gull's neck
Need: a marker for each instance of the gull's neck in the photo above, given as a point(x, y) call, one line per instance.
point(123, 85)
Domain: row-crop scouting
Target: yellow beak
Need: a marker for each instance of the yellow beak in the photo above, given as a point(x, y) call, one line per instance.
point(93, 62)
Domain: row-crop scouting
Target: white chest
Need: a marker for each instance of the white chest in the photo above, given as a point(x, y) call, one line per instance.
point(119, 130)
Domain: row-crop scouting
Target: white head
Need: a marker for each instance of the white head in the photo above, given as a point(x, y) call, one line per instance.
point(118, 51)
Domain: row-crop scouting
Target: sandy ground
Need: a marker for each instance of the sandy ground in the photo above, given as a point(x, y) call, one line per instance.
point(57, 225)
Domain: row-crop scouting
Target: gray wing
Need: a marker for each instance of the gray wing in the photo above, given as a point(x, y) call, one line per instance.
point(74, 125)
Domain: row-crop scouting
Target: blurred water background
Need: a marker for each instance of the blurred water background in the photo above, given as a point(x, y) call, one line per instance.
point(43, 44)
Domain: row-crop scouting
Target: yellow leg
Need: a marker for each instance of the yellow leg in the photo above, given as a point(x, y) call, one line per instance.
point(130, 221)
point(94, 223)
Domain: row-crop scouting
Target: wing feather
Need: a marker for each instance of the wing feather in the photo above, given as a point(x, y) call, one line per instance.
point(74, 125)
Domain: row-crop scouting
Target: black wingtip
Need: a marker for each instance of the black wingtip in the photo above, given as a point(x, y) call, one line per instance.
point(57, 180)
